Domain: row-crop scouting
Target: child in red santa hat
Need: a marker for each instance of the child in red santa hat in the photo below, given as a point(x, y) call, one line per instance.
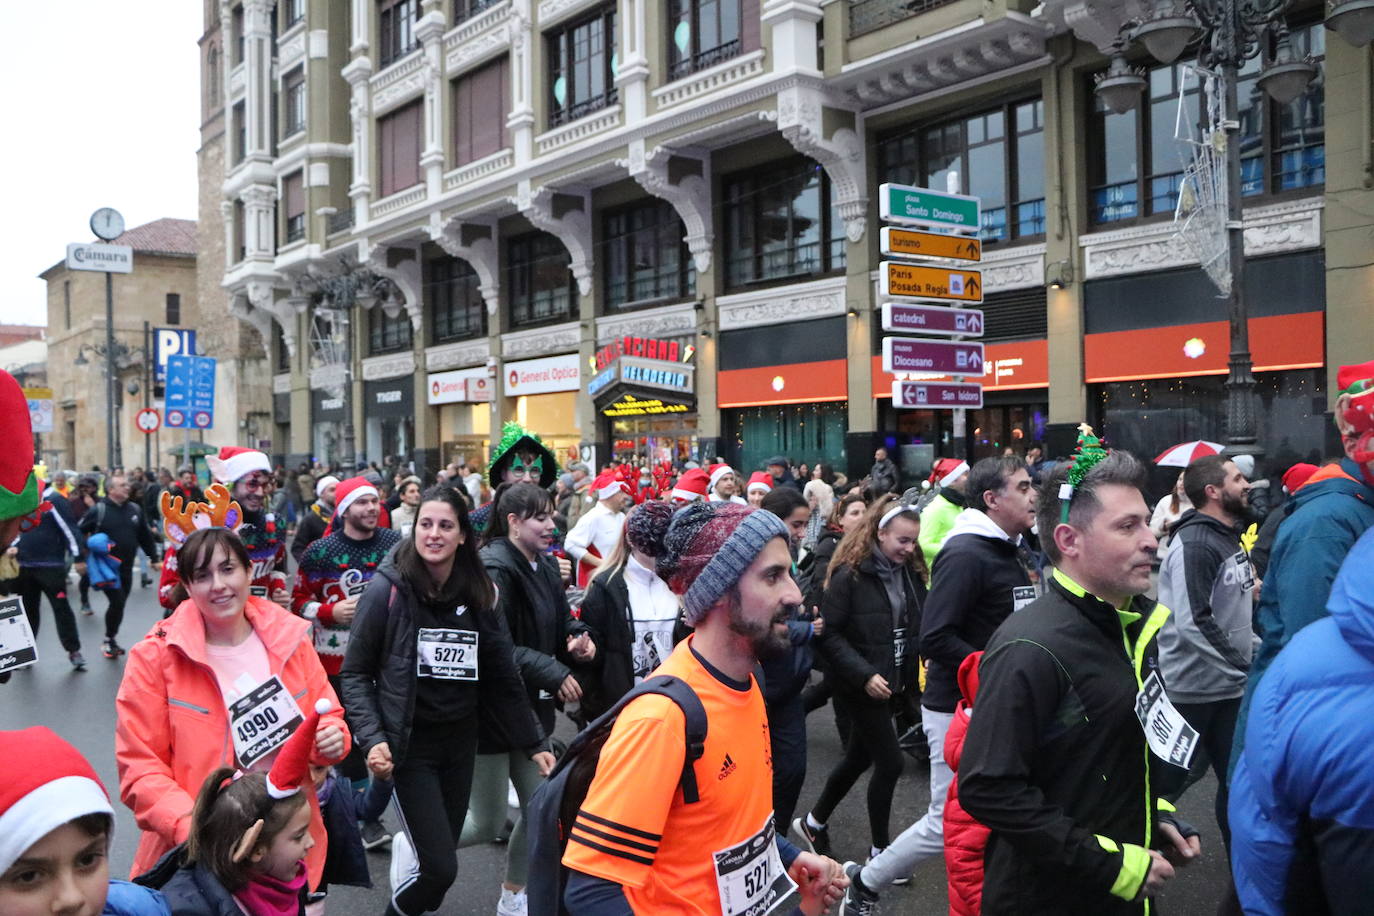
point(249, 836)
point(56, 824)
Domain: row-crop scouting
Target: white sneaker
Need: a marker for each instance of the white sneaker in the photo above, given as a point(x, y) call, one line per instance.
point(403, 862)
point(512, 903)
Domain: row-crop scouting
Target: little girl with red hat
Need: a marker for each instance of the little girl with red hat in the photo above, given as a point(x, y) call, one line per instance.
point(249, 836)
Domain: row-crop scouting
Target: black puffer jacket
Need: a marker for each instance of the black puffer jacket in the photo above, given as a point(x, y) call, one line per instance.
point(811, 573)
point(378, 674)
point(858, 639)
point(540, 621)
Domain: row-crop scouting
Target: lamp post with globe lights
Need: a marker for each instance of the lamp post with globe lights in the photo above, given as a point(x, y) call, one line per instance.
point(1227, 33)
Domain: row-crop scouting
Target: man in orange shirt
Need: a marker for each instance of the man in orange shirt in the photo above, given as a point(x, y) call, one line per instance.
point(636, 846)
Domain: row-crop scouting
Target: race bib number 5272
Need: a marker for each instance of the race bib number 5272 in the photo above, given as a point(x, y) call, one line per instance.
point(446, 654)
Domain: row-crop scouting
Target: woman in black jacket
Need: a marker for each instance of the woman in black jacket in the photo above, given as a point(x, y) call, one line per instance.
point(429, 659)
point(872, 610)
point(548, 641)
point(633, 617)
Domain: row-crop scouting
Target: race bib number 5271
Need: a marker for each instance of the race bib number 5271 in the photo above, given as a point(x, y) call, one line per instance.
point(750, 876)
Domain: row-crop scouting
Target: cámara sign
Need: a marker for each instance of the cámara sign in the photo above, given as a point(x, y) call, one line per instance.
point(115, 259)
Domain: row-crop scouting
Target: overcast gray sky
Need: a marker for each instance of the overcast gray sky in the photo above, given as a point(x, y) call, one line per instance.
point(101, 109)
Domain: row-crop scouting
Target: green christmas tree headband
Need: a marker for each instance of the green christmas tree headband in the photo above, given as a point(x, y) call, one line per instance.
point(1090, 452)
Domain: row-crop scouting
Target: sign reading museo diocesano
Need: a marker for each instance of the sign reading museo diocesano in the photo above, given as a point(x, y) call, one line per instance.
point(541, 376)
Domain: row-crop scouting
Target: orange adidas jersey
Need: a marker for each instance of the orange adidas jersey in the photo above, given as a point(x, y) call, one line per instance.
point(633, 827)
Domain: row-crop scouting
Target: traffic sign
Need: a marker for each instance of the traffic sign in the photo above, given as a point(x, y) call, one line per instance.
point(942, 357)
point(899, 203)
point(917, 281)
point(169, 342)
point(40, 403)
point(937, 395)
point(148, 420)
point(115, 259)
point(909, 243)
point(190, 392)
point(932, 319)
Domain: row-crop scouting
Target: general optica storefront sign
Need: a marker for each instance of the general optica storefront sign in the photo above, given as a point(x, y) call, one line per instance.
point(542, 376)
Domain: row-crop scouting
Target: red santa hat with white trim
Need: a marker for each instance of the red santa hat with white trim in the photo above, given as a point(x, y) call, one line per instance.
point(44, 783)
point(947, 471)
point(718, 471)
point(349, 491)
point(759, 480)
point(610, 483)
point(234, 463)
point(691, 486)
point(291, 769)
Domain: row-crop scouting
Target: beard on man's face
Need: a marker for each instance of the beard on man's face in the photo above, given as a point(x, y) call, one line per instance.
point(763, 639)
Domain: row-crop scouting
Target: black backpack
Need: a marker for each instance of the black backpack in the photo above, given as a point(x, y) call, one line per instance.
point(551, 811)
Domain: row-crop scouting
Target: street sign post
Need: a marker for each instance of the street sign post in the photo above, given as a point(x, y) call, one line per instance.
point(934, 395)
point(909, 243)
point(190, 392)
point(899, 203)
point(917, 281)
point(937, 357)
point(40, 403)
point(908, 318)
point(148, 420)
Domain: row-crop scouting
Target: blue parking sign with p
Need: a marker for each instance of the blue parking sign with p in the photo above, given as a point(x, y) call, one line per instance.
point(169, 342)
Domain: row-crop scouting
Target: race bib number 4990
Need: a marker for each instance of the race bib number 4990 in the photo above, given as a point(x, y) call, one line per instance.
point(446, 654)
point(261, 720)
point(750, 876)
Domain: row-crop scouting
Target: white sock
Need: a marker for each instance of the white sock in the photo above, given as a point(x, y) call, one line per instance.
point(873, 851)
point(813, 823)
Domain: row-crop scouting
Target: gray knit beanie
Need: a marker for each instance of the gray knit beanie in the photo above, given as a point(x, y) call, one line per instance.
point(708, 546)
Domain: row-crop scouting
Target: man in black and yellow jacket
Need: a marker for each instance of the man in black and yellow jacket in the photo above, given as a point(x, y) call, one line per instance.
point(1056, 762)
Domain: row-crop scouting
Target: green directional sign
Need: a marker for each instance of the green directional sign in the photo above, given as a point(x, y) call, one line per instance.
point(899, 203)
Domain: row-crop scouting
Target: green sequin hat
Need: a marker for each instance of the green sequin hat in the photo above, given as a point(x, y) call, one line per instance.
point(515, 439)
point(1090, 452)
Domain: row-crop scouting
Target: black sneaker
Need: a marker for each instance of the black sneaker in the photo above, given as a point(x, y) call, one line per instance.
point(818, 841)
point(374, 835)
point(111, 649)
point(858, 900)
point(77, 659)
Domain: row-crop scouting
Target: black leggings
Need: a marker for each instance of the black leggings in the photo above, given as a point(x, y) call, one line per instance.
point(872, 742)
point(432, 788)
point(36, 581)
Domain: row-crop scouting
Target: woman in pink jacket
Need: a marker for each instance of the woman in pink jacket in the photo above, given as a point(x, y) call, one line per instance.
point(221, 682)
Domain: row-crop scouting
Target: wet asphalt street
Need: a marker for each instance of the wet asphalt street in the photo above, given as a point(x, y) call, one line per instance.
point(80, 707)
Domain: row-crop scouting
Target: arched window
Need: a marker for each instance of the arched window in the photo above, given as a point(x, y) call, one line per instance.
point(213, 75)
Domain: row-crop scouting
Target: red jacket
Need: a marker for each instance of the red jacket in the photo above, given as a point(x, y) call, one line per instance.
point(965, 838)
point(172, 727)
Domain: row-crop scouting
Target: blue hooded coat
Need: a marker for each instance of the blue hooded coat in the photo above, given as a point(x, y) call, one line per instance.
point(1302, 794)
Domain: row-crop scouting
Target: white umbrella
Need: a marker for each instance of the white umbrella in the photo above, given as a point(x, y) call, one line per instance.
point(1185, 453)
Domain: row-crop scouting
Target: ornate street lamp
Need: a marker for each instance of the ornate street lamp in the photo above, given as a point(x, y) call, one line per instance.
point(336, 295)
point(1353, 20)
point(1231, 32)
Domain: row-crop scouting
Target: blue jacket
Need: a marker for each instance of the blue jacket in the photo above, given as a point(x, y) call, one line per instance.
point(127, 899)
point(1325, 518)
point(1302, 794)
point(101, 564)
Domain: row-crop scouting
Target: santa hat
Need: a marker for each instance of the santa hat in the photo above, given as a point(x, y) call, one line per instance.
point(608, 484)
point(1297, 475)
point(1355, 408)
point(717, 472)
point(692, 485)
point(291, 769)
point(947, 471)
point(234, 463)
point(759, 480)
point(349, 491)
point(19, 489)
point(44, 783)
point(325, 483)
